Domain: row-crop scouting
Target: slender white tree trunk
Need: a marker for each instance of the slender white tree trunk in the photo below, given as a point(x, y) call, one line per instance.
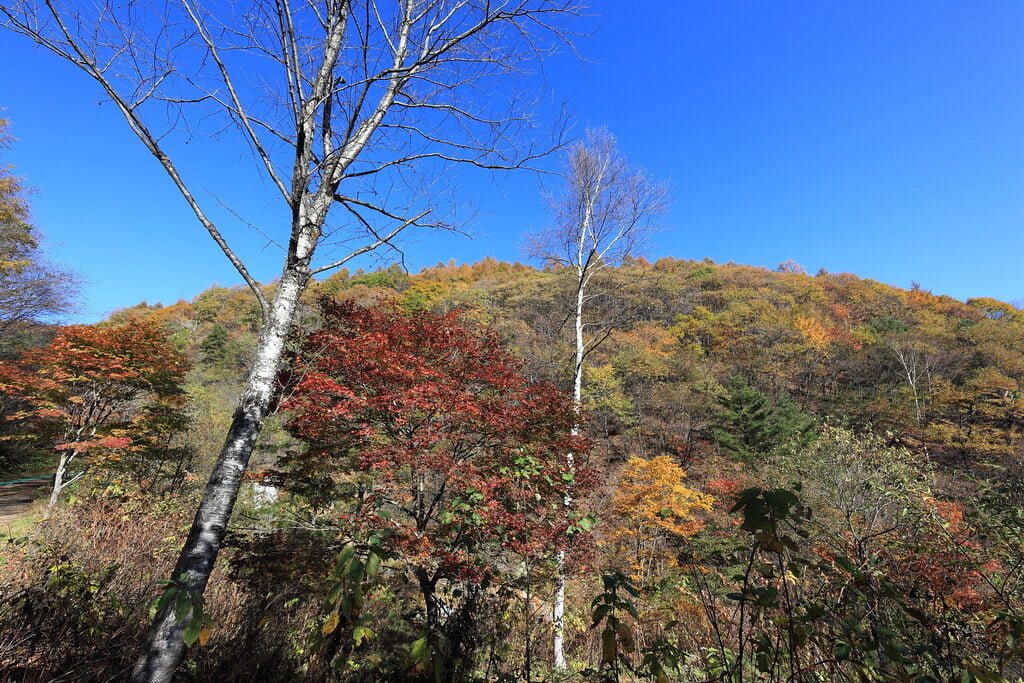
point(558, 608)
point(577, 377)
point(58, 482)
point(908, 358)
point(199, 553)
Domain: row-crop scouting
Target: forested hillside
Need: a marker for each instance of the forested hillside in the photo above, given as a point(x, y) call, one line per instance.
point(779, 477)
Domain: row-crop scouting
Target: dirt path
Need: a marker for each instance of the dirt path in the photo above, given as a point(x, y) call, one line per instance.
point(17, 499)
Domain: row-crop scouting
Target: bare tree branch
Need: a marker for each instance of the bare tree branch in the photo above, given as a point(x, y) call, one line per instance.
point(386, 239)
point(71, 50)
point(335, 99)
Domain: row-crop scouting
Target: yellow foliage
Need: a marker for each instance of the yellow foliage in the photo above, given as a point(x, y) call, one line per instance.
point(427, 295)
point(815, 334)
point(604, 391)
point(644, 351)
point(651, 506)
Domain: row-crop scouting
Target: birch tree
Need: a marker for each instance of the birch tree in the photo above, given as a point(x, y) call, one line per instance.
point(345, 105)
point(604, 214)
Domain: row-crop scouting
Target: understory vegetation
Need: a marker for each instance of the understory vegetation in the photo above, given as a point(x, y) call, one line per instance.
point(779, 477)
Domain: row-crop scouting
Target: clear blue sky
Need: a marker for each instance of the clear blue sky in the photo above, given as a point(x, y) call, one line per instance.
point(880, 138)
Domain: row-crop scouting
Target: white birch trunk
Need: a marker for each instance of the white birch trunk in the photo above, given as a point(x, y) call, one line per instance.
point(196, 561)
point(58, 482)
point(558, 607)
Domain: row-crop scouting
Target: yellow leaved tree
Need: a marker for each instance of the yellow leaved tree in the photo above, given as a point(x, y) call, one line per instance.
point(651, 510)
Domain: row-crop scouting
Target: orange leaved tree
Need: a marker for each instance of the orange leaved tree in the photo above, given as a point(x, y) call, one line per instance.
point(650, 507)
point(94, 392)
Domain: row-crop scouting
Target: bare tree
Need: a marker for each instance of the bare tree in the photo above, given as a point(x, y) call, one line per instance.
point(604, 214)
point(31, 293)
point(918, 361)
point(345, 105)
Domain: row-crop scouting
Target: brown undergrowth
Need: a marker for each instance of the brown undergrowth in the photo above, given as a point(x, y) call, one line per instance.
point(76, 593)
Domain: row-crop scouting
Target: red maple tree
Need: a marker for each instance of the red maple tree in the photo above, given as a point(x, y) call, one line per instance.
point(424, 426)
point(97, 393)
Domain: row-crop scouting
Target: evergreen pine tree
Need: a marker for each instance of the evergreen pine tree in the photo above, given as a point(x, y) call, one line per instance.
point(215, 346)
point(752, 424)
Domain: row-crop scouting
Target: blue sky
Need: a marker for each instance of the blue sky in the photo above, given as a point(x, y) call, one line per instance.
point(879, 138)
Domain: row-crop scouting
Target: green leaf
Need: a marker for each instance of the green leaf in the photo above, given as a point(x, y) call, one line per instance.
point(344, 556)
point(419, 651)
point(585, 523)
point(844, 564)
point(192, 631)
point(354, 571)
point(361, 633)
point(336, 589)
point(372, 564)
point(346, 605)
point(744, 499)
point(183, 607)
point(780, 501)
point(163, 601)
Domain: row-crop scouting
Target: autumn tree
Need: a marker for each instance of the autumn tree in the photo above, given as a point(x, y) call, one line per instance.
point(606, 209)
point(422, 425)
point(651, 508)
point(98, 394)
point(31, 288)
point(335, 100)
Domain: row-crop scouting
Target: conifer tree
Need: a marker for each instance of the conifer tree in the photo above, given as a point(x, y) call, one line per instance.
point(752, 425)
point(215, 346)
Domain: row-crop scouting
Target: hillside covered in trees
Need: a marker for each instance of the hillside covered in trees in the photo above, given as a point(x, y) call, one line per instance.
point(779, 477)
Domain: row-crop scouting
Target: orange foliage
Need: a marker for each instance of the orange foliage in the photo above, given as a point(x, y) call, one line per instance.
point(91, 389)
point(815, 334)
point(650, 506)
point(820, 337)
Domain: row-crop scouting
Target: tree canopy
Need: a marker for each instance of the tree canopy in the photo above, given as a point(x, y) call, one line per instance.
point(423, 427)
point(99, 394)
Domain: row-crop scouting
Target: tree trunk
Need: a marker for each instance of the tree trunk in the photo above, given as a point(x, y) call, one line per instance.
point(558, 610)
point(165, 645)
point(58, 482)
